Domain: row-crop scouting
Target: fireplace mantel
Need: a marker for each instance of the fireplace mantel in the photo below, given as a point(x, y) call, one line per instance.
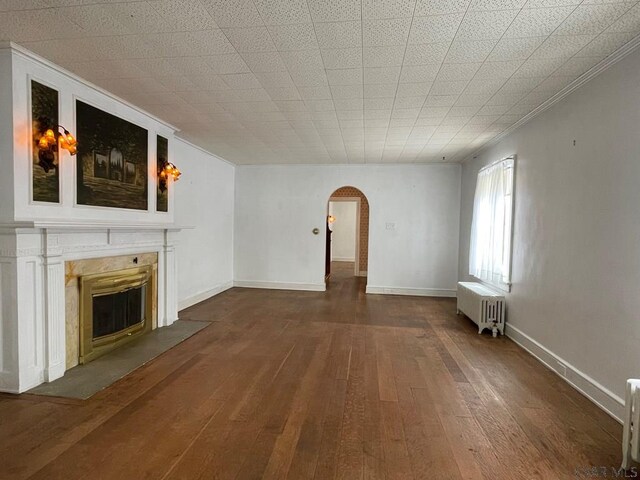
point(32, 287)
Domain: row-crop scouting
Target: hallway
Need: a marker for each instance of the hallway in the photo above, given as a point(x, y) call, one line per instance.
point(301, 385)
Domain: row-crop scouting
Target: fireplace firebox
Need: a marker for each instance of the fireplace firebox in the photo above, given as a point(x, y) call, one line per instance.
point(115, 307)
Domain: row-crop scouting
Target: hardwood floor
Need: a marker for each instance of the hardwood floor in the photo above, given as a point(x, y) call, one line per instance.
point(318, 385)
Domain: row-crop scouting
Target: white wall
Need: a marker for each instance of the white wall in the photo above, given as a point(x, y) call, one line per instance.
point(576, 249)
point(343, 238)
point(204, 199)
point(277, 207)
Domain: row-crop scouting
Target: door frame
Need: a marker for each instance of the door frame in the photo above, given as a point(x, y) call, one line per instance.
point(357, 200)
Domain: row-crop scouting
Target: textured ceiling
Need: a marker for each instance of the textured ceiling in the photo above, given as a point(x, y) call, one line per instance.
point(328, 81)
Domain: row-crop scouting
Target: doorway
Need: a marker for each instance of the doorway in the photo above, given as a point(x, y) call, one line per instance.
point(347, 233)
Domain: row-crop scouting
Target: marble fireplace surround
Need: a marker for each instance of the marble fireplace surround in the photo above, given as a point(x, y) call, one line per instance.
point(35, 258)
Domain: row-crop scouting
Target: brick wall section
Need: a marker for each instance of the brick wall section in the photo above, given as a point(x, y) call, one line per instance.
point(364, 221)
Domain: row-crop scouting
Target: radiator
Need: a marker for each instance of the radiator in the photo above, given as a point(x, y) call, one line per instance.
point(630, 434)
point(484, 306)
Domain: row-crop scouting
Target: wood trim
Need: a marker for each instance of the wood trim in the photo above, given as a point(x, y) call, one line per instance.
point(357, 200)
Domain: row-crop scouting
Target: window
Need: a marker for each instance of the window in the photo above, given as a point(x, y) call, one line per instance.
point(490, 248)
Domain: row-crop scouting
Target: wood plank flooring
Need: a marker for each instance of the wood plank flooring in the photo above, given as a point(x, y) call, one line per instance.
point(305, 385)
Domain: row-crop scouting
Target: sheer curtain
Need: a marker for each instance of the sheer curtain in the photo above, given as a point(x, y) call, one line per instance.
point(490, 249)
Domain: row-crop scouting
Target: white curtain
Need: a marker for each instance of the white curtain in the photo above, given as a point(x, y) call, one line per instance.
point(490, 250)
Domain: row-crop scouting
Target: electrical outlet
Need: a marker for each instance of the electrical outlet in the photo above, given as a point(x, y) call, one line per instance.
point(391, 226)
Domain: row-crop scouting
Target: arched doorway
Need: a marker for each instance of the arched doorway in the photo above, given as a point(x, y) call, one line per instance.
point(347, 232)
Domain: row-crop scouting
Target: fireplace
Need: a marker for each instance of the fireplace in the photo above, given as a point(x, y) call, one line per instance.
point(115, 308)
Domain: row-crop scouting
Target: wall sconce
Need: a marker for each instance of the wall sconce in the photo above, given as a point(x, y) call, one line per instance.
point(169, 170)
point(49, 138)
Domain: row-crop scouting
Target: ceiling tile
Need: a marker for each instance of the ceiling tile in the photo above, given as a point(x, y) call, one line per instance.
point(230, 63)
point(378, 103)
point(419, 73)
point(300, 36)
point(409, 102)
point(347, 91)
point(329, 80)
point(388, 8)
point(578, 65)
point(413, 89)
point(441, 7)
point(381, 74)
point(630, 22)
point(521, 85)
point(233, 13)
point(433, 29)
point(380, 90)
point(339, 34)
point(182, 16)
point(309, 77)
point(561, 46)
point(303, 60)
point(539, 67)
point(440, 100)
point(386, 32)
point(283, 93)
point(383, 56)
point(496, 4)
point(264, 62)
point(605, 44)
point(349, 103)
point(484, 25)
point(252, 39)
point(425, 54)
point(335, 10)
point(484, 85)
point(592, 19)
point(278, 12)
point(448, 87)
point(490, 70)
point(535, 22)
point(348, 76)
point(342, 58)
point(458, 71)
point(470, 51)
point(278, 79)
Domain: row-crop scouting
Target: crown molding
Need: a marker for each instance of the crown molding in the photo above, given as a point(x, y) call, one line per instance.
point(26, 53)
point(593, 72)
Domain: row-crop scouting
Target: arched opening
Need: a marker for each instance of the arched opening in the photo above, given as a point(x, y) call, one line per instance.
point(347, 234)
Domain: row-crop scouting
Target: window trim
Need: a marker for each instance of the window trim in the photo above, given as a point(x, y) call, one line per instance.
point(502, 286)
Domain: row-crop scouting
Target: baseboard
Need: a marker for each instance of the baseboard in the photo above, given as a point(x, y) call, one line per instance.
point(598, 394)
point(343, 259)
point(311, 287)
point(9, 383)
point(419, 292)
point(202, 296)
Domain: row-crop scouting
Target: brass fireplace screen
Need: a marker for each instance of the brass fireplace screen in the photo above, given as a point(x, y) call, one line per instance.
point(115, 307)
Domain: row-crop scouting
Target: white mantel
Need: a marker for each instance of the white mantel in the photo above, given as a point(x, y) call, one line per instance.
point(32, 287)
